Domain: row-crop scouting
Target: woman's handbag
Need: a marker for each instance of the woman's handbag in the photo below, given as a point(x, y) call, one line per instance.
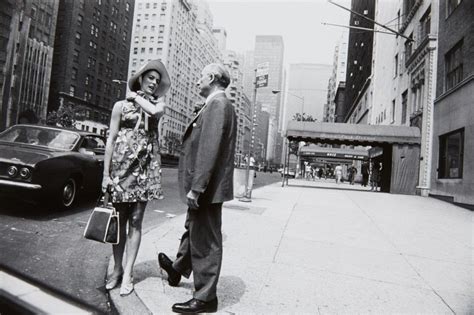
point(103, 224)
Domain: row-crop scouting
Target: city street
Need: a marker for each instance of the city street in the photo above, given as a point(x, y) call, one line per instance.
point(48, 246)
point(316, 247)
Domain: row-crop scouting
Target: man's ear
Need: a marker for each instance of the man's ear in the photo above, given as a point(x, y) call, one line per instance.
point(140, 80)
point(213, 80)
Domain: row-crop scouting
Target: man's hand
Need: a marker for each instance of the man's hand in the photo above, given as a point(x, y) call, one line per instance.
point(193, 199)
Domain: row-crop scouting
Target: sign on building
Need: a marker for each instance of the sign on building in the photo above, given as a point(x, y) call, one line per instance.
point(262, 74)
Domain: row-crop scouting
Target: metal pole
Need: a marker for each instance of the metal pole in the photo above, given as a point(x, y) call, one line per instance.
point(359, 28)
point(284, 163)
point(370, 20)
point(288, 160)
point(247, 196)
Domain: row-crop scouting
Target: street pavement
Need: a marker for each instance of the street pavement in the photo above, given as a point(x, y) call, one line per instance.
point(319, 247)
point(47, 246)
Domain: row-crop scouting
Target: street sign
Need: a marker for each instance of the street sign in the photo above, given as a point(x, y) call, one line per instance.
point(262, 74)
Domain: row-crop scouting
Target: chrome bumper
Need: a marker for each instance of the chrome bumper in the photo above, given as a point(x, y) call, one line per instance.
point(19, 184)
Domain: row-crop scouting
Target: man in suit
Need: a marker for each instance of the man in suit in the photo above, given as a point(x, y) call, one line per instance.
point(206, 168)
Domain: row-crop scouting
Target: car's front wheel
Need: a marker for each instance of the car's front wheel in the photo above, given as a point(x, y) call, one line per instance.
point(67, 193)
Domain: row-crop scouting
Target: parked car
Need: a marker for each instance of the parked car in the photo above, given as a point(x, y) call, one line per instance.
point(42, 163)
point(288, 173)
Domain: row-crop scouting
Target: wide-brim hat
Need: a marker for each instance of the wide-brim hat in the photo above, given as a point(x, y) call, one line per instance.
point(165, 82)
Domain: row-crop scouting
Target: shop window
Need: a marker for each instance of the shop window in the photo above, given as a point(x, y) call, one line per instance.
point(451, 151)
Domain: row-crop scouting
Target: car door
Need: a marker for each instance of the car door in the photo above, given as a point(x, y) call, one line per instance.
point(92, 149)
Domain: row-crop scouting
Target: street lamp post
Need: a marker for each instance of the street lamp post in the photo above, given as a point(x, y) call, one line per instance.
point(301, 98)
point(248, 191)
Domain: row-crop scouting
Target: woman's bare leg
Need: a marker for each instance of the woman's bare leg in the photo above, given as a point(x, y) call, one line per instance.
point(134, 237)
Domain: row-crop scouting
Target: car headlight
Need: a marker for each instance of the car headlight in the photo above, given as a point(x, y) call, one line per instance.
point(12, 171)
point(25, 173)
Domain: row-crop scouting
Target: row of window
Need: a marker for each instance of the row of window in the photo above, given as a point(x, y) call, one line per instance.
point(152, 39)
point(151, 50)
point(154, 4)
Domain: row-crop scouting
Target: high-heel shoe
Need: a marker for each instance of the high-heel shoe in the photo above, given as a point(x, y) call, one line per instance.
point(126, 288)
point(113, 282)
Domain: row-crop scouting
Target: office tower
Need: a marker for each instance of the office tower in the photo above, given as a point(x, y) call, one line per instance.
point(27, 39)
point(179, 33)
point(306, 91)
point(270, 48)
point(338, 76)
point(241, 102)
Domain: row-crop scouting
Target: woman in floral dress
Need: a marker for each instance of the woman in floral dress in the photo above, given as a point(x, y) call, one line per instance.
point(132, 166)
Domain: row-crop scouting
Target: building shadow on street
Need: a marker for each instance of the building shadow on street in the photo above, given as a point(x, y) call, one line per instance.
point(361, 189)
point(42, 211)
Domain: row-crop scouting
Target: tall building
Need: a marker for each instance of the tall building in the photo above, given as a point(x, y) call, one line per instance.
point(221, 35)
point(359, 59)
point(270, 48)
point(180, 34)
point(249, 73)
point(27, 39)
point(91, 51)
point(239, 100)
point(452, 171)
point(306, 91)
point(338, 76)
point(395, 85)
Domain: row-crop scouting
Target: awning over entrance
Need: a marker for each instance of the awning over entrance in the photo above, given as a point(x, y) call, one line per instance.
point(333, 153)
point(339, 133)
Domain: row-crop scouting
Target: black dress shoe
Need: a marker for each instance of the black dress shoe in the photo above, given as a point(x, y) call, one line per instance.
point(173, 276)
point(195, 306)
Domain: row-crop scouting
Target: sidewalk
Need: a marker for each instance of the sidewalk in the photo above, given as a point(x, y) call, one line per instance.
point(316, 250)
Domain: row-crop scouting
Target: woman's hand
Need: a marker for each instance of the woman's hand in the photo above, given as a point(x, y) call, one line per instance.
point(106, 183)
point(131, 96)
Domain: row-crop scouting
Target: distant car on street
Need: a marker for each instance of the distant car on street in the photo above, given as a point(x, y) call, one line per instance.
point(288, 173)
point(43, 163)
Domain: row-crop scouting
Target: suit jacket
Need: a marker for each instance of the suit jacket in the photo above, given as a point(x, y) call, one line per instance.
point(206, 163)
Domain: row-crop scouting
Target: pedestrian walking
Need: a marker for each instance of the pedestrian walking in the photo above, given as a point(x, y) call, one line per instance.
point(206, 181)
point(376, 176)
point(338, 173)
point(353, 173)
point(365, 174)
point(132, 166)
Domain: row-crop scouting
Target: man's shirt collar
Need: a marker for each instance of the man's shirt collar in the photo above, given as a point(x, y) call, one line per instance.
point(213, 94)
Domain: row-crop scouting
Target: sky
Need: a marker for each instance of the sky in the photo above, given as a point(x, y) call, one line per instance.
point(306, 40)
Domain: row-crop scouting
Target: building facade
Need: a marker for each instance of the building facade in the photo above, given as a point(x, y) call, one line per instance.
point(270, 48)
point(90, 61)
point(241, 103)
point(338, 75)
point(398, 87)
point(359, 61)
point(221, 35)
point(306, 91)
point(179, 33)
point(452, 172)
point(27, 32)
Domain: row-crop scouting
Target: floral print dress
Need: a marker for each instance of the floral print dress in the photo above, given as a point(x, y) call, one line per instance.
point(136, 161)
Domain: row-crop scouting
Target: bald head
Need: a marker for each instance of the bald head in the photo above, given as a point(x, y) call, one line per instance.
point(221, 75)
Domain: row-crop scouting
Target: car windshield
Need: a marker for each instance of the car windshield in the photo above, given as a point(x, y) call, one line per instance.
point(39, 136)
